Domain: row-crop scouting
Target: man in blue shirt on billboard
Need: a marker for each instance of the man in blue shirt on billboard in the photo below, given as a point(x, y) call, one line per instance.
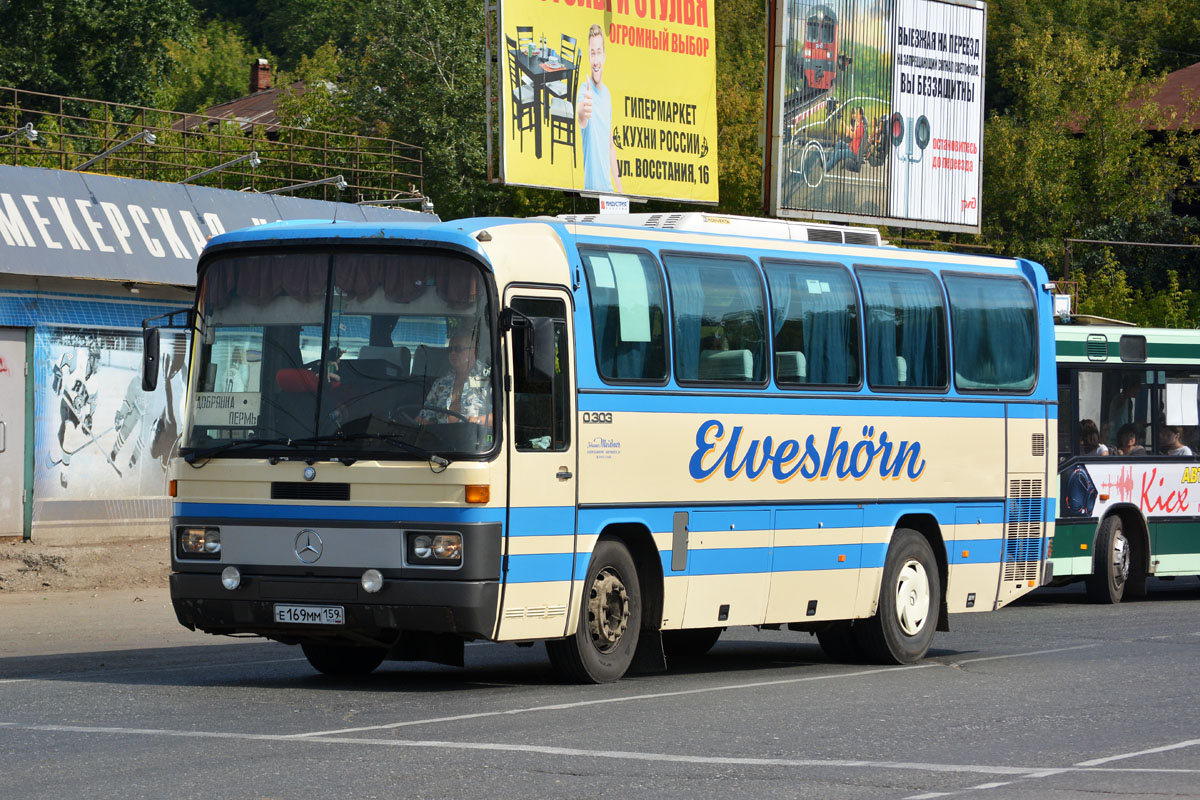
point(594, 114)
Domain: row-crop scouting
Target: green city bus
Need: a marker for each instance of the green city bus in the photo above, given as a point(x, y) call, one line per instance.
point(1127, 442)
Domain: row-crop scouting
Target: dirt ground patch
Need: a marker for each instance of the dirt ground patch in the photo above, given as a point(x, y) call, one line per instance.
point(126, 564)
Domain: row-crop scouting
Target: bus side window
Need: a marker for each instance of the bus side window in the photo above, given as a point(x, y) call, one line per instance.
point(906, 329)
point(994, 321)
point(814, 318)
point(718, 319)
point(541, 409)
point(626, 292)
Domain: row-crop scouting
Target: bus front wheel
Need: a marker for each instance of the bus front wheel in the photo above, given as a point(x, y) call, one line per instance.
point(909, 598)
point(343, 661)
point(610, 620)
point(1110, 570)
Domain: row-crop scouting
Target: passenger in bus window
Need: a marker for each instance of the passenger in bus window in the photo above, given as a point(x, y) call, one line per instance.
point(1169, 443)
point(1089, 440)
point(1127, 441)
point(1122, 404)
point(466, 393)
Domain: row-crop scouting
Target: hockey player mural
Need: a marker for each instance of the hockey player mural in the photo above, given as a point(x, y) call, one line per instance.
point(95, 424)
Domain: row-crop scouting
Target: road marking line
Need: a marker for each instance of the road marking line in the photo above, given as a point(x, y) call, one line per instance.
point(1082, 766)
point(1165, 748)
point(1021, 655)
point(660, 695)
point(538, 749)
point(986, 769)
point(607, 700)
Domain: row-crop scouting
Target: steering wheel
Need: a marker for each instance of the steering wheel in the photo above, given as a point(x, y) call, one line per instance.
point(436, 410)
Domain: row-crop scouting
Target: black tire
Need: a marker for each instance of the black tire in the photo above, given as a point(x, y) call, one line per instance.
point(910, 598)
point(1110, 567)
point(691, 643)
point(610, 619)
point(343, 660)
point(840, 644)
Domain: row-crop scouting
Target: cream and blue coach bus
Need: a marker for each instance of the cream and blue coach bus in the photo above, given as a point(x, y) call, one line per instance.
point(617, 435)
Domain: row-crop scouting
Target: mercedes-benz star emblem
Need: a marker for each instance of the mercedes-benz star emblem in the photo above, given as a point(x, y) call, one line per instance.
point(309, 546)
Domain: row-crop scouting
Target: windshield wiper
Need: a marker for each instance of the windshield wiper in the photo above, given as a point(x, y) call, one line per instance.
point(391, 439)
point(209, 452)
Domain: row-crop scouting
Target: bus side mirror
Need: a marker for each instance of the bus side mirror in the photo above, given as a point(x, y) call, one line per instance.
point(539, 346)
point(149, 359)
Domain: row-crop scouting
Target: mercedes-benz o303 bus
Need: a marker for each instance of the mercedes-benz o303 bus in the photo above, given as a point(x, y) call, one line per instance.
point(1128, 465)
point(614, 437)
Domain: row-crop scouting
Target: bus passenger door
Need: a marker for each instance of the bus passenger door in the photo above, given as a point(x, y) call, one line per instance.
point(539, 555)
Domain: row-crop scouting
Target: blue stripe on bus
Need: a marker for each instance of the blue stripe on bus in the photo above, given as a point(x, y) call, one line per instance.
point(542, 521)
point(541, 567)
point(818, 556)
point(1026, 411)
point(876, 515)
point(341, 513)
point(981, 551)
point(866, 405)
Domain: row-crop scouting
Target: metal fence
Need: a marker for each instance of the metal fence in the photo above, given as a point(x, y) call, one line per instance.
point(56, 132)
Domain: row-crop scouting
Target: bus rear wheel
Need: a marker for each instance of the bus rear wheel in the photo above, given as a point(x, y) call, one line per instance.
point(1110, 570)
point(610, 620)
point(910, 596)
point(343, 661)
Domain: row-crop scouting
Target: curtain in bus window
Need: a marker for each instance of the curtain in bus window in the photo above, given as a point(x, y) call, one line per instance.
point(720, 318)
point(405, 277)
point(906, 334)
point(260, 279)
point(687, 301)
point(995, 344)
point(627, 315)
point(814, 317)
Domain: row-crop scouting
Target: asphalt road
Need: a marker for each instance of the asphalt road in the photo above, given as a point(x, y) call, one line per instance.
point(1049, 698)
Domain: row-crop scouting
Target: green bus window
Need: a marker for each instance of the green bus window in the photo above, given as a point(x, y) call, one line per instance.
point(814, 319)
point(627, 315)
point(994, 323)
point(906, 329)
point(719, 319)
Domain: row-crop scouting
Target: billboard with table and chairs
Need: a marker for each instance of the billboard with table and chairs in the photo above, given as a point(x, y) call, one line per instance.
point(609, 97)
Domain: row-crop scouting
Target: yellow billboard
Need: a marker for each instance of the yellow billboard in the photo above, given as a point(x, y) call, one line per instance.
point(610, 97)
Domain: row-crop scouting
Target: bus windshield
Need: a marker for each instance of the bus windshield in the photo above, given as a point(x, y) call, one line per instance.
point(343, 354)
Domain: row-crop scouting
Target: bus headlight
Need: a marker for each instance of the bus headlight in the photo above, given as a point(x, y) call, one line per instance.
point(447, 547)
point(435, 549)
point(231, 578)
point(372, 581)
point(196, 542)
point(422, 547)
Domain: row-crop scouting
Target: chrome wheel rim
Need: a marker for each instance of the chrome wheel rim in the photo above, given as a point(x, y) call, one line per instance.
point(608, 610)
point(912, 597)
point(1120, 559)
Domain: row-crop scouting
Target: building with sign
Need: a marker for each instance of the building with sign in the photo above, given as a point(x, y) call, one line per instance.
point(84, 258)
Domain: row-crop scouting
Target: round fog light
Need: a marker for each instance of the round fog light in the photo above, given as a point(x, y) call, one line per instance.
point(372, 581)
point(231, 578)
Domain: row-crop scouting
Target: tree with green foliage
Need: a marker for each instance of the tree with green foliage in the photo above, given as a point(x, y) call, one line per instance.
point(91, 49)
point(1069, 153)
point(210, 67)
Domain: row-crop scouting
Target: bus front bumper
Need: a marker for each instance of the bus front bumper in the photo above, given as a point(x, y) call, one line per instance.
point(463, 608)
